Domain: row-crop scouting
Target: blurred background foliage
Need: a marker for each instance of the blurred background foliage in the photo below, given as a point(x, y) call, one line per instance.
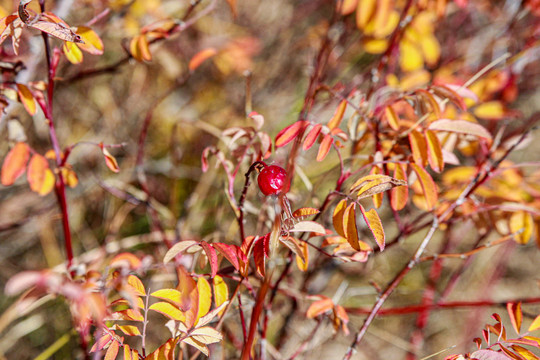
point(276, 44)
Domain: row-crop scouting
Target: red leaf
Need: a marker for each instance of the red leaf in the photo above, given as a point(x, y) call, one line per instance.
point(15, 163)
point(259, 256)
point(229, 252)
point(288, 134)
point(212, 257)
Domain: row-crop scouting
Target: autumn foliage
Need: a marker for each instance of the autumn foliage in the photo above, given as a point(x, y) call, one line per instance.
point(333, 179)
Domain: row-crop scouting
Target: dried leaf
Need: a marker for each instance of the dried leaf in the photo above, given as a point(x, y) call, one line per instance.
point(15, 163)
point(428, 186)
point(312, 136)
point(399, 194)
point(434, 150)
point(418, 148)
point(40, 177)
point(324, 148)
point(375, 225)
point(308, 226)
point(212, 314)
point(289, 133)
point(200, 57)
point(319, 307)
point(375, 184)
point(293, 245)
point(178, 248)
point(206, 335)
point(197, 345)
point(47, 23)
point(27, 99)
point(460, 127)
point(337, 218)
point(338, 115)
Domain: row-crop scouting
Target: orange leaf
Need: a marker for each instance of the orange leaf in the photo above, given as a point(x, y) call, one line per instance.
point(515, 314)
point(142, 44)
point(221, 292)
point(100, 344)
point(110, 160)
point(15, 163)
point(375, 225)
point(200, 57)
point(289, 133)
point(375, 184)
point(428, 186)
point(40, 177)
point(312, 136)
point(400, 194)
point(307, 211)
point(326, 144)
point(337, 218)
point(434, 149)
point(27, 99)
point(338, 115)
point(418, 148)
point(319, 307)
point(349, 225)
point(112, 351)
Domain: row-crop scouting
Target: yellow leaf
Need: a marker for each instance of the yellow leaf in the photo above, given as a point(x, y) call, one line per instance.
point(136, 285)
point(435, 156)
point(391, 117)
point(205, 297)
point(364, 12)
point(72, 52)
point(521, 223)
point(492, 110)
point(27, 99)
point(206, 335)
point(337, 218)
point(172, 295)
point(375, 46)
point(430, 49)
point(384, 22)
point(134, 48)
point(302, 261)
point(70, 177)
point(127, 353)
point(15, 163)
point(410, 57)
point(415, 79)
point(428, 186)
point(535, 324)
point(375, 225)
point(92, 42)
point(221, 292)
point(129, 330)
point(40, 177)
point(168, 310)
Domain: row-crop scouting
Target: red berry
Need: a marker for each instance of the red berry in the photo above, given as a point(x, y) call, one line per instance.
point(273, 180)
